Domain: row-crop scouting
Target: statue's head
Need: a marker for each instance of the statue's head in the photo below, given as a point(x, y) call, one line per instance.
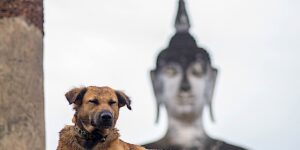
point(184, 79)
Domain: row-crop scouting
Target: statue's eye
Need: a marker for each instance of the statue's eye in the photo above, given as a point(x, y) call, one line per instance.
point(111, 102)
point(170, 71)
point(197, 70)
point(93, 101)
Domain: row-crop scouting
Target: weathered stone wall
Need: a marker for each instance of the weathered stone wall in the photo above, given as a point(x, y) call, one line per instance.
point(31, 10)
point(21, 75)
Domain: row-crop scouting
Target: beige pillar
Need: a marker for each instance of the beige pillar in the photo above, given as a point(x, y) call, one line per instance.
point(22, 124)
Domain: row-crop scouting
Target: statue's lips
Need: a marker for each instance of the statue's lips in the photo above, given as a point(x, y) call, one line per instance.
point(186, 100)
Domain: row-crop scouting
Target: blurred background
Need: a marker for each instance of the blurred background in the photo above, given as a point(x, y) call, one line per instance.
point(254, 44)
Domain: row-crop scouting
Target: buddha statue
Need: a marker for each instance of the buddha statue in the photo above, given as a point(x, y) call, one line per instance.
point(183, 81)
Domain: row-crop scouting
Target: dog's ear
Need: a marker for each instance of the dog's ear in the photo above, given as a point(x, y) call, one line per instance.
point(75, 95)
point(123, 99)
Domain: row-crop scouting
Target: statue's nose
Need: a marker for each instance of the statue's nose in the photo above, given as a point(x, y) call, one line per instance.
point(185, 84)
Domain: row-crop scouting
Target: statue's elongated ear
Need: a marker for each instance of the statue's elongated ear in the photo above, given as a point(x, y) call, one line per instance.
point(157, 88)
point(123, 99)
point(210, 90)
point(75, 95)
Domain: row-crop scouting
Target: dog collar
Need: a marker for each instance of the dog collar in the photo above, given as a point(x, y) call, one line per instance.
point(86, 135)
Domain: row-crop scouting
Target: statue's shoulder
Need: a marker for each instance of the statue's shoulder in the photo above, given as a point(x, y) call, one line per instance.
point(159, 144)
point(221, 145)
point(212, 144)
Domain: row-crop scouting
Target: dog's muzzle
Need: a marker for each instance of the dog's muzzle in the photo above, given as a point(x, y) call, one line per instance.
point(103, 119)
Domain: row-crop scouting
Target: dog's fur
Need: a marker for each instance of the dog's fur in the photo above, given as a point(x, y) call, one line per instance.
point(96, 114)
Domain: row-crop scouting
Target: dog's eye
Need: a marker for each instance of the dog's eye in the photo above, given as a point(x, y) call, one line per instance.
point(111, 102)
point(93, 101)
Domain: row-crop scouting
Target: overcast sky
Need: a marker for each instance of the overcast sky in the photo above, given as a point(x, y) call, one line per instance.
point(254, 44)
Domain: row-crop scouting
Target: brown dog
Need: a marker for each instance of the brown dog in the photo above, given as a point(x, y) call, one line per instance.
point(97, 111)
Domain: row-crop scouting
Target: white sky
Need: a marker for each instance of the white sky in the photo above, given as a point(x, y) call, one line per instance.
point(254, 44)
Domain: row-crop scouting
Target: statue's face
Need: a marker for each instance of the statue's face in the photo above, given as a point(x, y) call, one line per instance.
point(184, 88)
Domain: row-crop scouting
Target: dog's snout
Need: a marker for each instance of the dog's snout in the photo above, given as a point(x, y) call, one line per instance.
point(106, 116)
point(103, 119)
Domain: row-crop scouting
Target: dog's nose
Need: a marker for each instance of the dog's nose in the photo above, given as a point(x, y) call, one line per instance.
point(106, 116)
point(104, 119)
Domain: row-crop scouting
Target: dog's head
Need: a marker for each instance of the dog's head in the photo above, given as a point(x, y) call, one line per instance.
point(97, 107)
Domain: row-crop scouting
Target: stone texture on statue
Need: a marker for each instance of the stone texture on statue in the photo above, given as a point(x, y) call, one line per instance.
point(182, 22)
point(21, 75)
point(183, 81)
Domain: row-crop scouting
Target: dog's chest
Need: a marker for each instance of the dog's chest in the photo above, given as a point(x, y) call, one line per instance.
point(113, 145)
